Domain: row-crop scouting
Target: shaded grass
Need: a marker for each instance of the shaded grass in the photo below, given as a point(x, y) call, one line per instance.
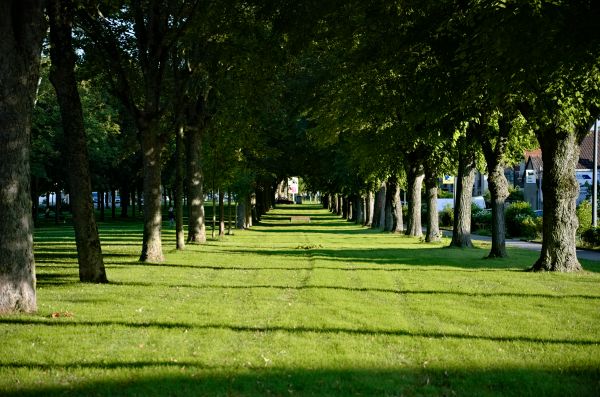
point(322, 308)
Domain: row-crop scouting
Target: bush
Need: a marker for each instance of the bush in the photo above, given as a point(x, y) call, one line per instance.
point(517, 215)
point(531, 226)
point(447, 216)
point(480, 218)
point(591, 236)
point(515, 195)
point(584, 216)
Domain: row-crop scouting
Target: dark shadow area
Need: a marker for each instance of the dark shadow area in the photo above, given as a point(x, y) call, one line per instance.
point(53, 279)
point(467, 294)
point(67, 322)
point(436, 256)
point(188, 378)
point(415, 381)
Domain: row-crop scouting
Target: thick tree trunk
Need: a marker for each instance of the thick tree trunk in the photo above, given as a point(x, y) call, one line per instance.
point(344, 207)
point(414, 226)
point(560, 153)
point(395, 205)
point(62, 76)
point(196, 216)
point(57, 206)
point(151, 149)
point(249, 210)
point(433, 224)
point(179, 164)
point(461, 230)
point(21, 31)
point(379, 212)
point(340, 204)
point(497, 184)
point(241, 213)
point(360, 209)
point(369, 208)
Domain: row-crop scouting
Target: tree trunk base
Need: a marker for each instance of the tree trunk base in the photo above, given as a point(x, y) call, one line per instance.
point(545, 266)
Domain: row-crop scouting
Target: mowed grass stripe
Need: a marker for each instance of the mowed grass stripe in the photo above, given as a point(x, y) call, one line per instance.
point(319, 308)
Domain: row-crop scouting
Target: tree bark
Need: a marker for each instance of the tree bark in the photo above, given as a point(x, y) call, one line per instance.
point(560, 153)
point(62, 76)
point(344, 207)
point(414, 226)
point(379, 212)
point(340, 205)
point(360, 209)
point(395, 205)
point(151, 151)
point(369, 207)
point(21, 31)
point(498, 185)
point(196, 216)
point(179, 164)
point(433, 224)
point(461, 230)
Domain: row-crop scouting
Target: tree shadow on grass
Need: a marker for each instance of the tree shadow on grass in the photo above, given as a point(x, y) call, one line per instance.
point(189, 378)
point(69, 322)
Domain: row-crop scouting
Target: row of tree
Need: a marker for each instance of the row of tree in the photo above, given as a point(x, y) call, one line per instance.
point(361, 99)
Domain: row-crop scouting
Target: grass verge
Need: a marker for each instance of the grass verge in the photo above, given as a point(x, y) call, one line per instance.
point(319, 308)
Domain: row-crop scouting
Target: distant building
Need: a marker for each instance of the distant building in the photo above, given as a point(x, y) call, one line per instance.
point(533, 173)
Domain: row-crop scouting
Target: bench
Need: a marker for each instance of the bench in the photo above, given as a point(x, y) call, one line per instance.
point(300, 219)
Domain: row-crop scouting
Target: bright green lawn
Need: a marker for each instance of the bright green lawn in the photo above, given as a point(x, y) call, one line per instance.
point(326, 308)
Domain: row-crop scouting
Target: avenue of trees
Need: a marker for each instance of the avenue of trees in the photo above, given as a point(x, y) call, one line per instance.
point(363, 99)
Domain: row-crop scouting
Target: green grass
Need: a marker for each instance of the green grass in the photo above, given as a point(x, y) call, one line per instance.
point(320, 308)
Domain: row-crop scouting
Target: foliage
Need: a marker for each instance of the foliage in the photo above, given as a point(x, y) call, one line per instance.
point(584, 216)
point(447, 216)
point(480, 218)
point(591, 236)
point(515, 194)
point(518, 220)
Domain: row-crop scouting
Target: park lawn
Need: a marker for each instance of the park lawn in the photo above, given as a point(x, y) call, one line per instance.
point(319, 308)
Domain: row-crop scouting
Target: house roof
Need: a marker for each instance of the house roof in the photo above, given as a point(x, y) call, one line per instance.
point(586, 155)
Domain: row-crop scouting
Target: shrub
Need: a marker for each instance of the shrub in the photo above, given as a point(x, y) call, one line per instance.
point(515, 195)
point(591, 236)
point(447, 216)
point(531, 226)
point(516, 214)
point(584, 216)
point(480, 218)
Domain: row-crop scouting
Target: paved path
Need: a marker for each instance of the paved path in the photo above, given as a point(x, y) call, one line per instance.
point(528, 245)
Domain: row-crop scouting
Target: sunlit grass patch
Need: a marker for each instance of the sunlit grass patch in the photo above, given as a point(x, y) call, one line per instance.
point(320, 308)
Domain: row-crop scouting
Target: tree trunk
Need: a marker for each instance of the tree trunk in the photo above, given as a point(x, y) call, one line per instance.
point(133, 203)
point(62, 76)
point(461, 230)
point(360, 209)
point(339, 209)
point(113, 203)
point(344, 207)
point(124, 201)
point(151, 149)
point(229, 212)
point(433, 225)
point(498, 185)
point(179, 164)
point(221, 214)
point(414, 226)
point(241, 213)
point(369, 207)
point(101, 204)
point(395, 205)
point(560, 153)
point(196, 217)
point(379, 213)
point(21, 30)
point(57, 206)
point(248, 209)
